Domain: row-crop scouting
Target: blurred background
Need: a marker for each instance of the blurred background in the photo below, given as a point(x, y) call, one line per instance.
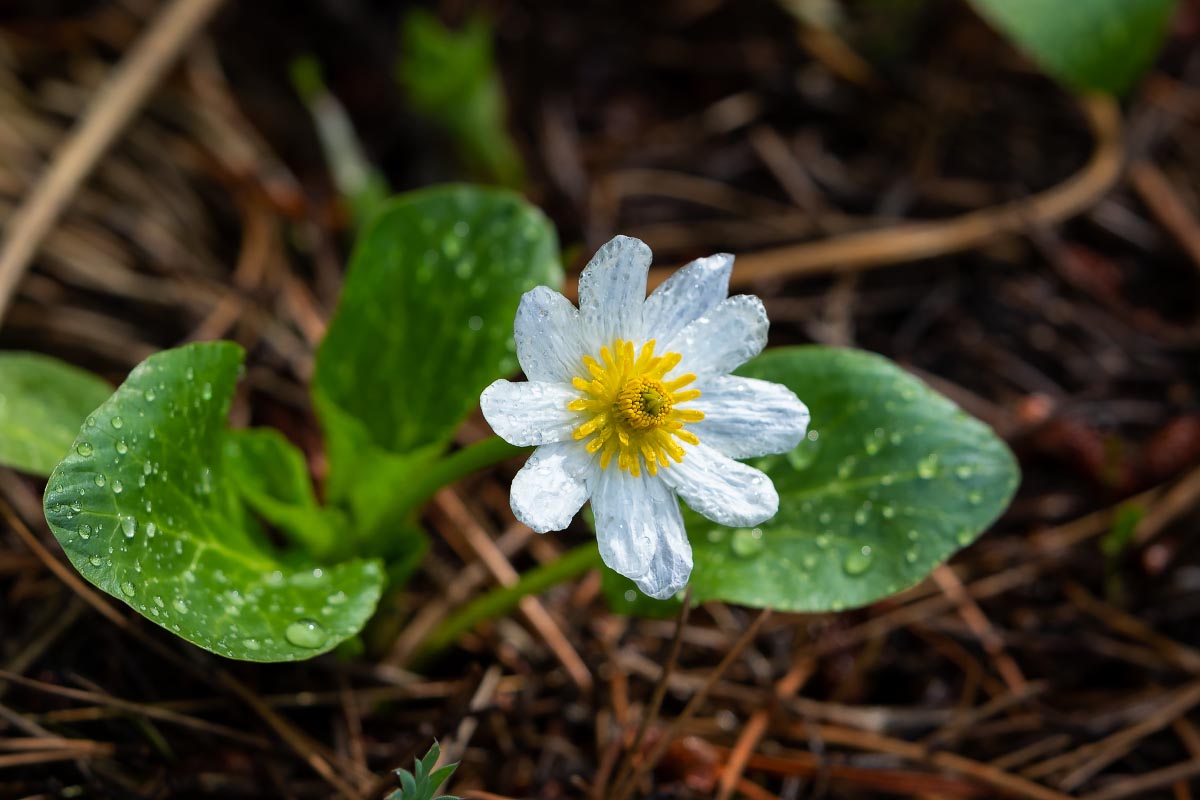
point(911, 177)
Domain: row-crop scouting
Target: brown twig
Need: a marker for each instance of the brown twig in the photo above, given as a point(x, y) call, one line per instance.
point(656, 753)
point(142, 69)
point(914, 241)
point(651, 712)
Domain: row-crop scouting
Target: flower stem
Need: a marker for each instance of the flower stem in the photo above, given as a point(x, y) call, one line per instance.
point(502, 599)
point(459, 465)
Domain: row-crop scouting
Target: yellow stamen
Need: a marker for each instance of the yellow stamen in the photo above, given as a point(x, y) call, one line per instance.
point(631, 409)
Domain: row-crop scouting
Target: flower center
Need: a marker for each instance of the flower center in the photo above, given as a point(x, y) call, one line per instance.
point(632, 410)
point(644, 403)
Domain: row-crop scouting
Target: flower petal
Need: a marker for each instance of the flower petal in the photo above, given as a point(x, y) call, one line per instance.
point(672, 563)
point(746, 417)
point(547, 331)
point(719, 342)
point(693, 291)
point(612, 290)
point(527, 414)
point(726, 491)
point(552, 486)
point(628, 519)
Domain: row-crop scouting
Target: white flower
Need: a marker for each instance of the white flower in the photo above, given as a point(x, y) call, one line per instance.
point(630, 403)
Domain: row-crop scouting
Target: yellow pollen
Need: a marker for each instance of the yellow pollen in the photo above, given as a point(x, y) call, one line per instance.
point(630, 409)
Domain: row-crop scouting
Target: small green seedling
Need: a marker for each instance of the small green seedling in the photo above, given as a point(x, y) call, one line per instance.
point(424, 780)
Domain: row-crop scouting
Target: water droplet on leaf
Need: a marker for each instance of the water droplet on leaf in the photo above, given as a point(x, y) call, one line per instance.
point(306, 633)
point(858, 561)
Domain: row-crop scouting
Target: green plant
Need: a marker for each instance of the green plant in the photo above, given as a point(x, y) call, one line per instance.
point(424, 780)
point(220, 536)
point(1101, 45)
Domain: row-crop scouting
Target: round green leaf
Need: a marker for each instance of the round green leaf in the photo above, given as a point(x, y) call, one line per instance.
point(1087, 44)
point(892, 480)
point(425, 321)
point(42, 403)
point(146, 509)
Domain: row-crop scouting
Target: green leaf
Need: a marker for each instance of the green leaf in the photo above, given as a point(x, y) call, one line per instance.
point(147, 509)
point(1087, 44)
point(271, 477)
point(424, 325)
point(423, 781)
point(623, 597)
point(893, 479)
point(43, 401)
point(451, 78)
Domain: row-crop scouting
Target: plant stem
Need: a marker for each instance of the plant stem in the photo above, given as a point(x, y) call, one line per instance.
point(459, 465)
point(502, 599)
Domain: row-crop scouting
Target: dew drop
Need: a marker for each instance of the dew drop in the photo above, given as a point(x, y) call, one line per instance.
point(747, 542)
point(180, 605)
point(858, 561)
point(84, 449)
point(964, 537)
point(306, 633)
point(964, 471)
point(927, 466)
point(127, 589)
point(122, 447)
point(95, 561)
point(128, 525)
point(100, 480)
point(630, 596)
point(118, 423)
point(251, 644)
point(118, 487)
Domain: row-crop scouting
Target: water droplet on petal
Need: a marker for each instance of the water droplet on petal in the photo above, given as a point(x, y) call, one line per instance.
point(84, 449)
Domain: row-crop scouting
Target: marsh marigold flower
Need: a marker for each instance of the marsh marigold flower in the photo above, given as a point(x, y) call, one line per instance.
point(630, 404)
